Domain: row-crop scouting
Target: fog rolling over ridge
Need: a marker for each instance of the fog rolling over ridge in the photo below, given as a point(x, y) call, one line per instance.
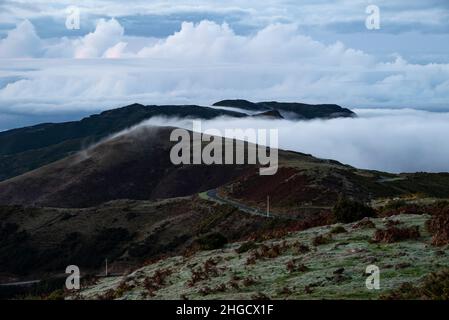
point(393, 140)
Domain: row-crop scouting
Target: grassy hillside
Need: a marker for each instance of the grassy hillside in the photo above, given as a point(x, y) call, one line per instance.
point(295, 266)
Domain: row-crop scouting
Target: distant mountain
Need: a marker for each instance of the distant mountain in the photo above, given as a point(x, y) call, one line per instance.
point(25, 149)
point(96, 126)
point(294, 110)
point(272, 114)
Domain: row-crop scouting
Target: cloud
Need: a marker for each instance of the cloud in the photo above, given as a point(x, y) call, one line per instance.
point(21, 42)
point(388, 140)
point(206, 62)
point(410, 14)
point(106, 36)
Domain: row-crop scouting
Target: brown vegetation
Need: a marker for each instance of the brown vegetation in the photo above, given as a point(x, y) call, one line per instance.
point(395, 234)
point(438, 226)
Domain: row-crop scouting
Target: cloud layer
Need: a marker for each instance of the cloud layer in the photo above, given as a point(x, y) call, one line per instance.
point(387, 140)
point(202, 63)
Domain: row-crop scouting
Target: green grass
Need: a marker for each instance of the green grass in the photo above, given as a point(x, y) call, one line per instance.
point(272, 275)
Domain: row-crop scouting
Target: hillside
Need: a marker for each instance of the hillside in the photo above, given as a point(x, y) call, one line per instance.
point(136, 165)
point(25, 149)
point(293, 266)
point(127, 232)
point(123, 200)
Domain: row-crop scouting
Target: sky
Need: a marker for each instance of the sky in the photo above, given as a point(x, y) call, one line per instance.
point(199, 52)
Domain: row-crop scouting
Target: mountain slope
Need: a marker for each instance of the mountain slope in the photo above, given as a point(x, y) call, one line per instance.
point(24, 149)
point(135, 165)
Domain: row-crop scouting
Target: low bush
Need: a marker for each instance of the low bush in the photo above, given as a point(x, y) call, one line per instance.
point(395, 234)
point(320, 240)
point(157, 281)
point(300, 248)
point(208, 270)
point(244, 247)
point(365, 223)
point(346, 210)
point(438, 226)
point(212, 241)
point(338, 229)
point(293, 266)
point(434, 286)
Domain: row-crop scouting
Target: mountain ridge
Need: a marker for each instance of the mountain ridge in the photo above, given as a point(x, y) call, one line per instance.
point(28, 148)
point(299, 110)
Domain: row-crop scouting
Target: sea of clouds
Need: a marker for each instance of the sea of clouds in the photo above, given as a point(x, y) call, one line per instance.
point(396, 141)
point(205, 62)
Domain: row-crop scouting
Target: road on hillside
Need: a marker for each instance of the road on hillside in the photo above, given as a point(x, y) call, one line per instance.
point(213, 195)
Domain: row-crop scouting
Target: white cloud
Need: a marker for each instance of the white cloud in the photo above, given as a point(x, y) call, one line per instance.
point(388, 140)
point(205, 62)
point(21, 42)
point(116, 52)
point(107, 34)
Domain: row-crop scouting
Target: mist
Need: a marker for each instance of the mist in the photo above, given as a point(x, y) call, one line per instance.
point(403, 140)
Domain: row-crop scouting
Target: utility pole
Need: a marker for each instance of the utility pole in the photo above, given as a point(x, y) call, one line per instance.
point(106, 265)
point(268, 206)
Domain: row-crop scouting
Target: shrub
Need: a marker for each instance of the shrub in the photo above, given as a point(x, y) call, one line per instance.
point(205, 272)
point(157, 281)
point(365, 223)
point(248, 282)
point(249, 245)
point(434, 286)
point(438, 226)
point(300, 248)
point(212, 241)
point(338, 229)
point(292, 266)
point(346, 210)
point(392, 223)
point(320, 239)
point(394, 204)
point(395, 234)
